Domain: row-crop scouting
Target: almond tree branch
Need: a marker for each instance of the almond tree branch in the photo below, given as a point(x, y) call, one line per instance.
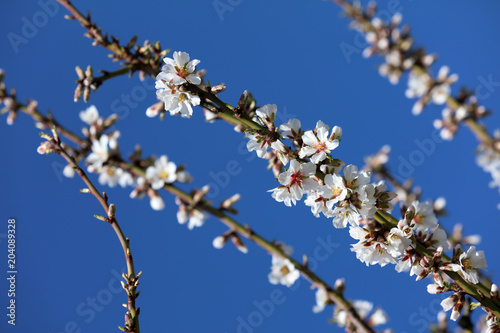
point(244, 230)
point(477, 291)
point(132, 280)
point(363, 20)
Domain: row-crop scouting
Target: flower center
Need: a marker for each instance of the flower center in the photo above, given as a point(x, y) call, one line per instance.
point(181, 71)
point(336, 191)
point(163, 174)
point(297, 178)
point(284, 270)
point(466, 263)
point(320, 146)
point(351, 183)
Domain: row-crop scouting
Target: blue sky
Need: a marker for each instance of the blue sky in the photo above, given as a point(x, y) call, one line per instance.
point(286, 53)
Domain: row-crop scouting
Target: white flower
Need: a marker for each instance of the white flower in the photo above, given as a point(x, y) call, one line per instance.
point(469, 263)
point(418, 84)
point(196, 218)
point(398, 241)
point(161, 173)
point(334, 190)
point(317, 203)
point(179, 70)
point(99, 154)
point(283, 272)
point(364, 200)
point(369, 250)
point(361, 307)
point(424, 215)
point(90, 115)
point(353, 179)
point(317, 145)
point(440, 93)
point(378, 317)
point(176, 102)
point(454, 301)
point(291, 129)
point(321, 300)
point(259, 143)
point(267, 113)
point(110, 176)
point(343, 215)
point(295, 182)
point(280, 151)
point(438, 238)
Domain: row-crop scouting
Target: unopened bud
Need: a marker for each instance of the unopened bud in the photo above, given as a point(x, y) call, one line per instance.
point(410, 213)
point(198, 196)
point(80, 72)
point(439, 204)
point(218, 88)
point(156, 201)
point(339, 286)
point(11, 117)
point(494, 292)
point(100, 217)
point(89, 73)
point(110, 120)
point(44, 148)
point(86, 94)
point(32, 105)
point(228, 203)
point(239, 243)
point(111, 211)
point(219, 242)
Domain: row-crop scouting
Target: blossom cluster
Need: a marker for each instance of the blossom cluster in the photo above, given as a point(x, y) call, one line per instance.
point(396, 45)
point(104, 159)
point(350, 199)
point(169, 84)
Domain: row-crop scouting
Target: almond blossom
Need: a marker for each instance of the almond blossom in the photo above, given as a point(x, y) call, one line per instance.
point(317, 143)
point(179, 70)
point(161, 173)
point(282, 270)
point(469, 262)
point(99, 154)
point(295, 182)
